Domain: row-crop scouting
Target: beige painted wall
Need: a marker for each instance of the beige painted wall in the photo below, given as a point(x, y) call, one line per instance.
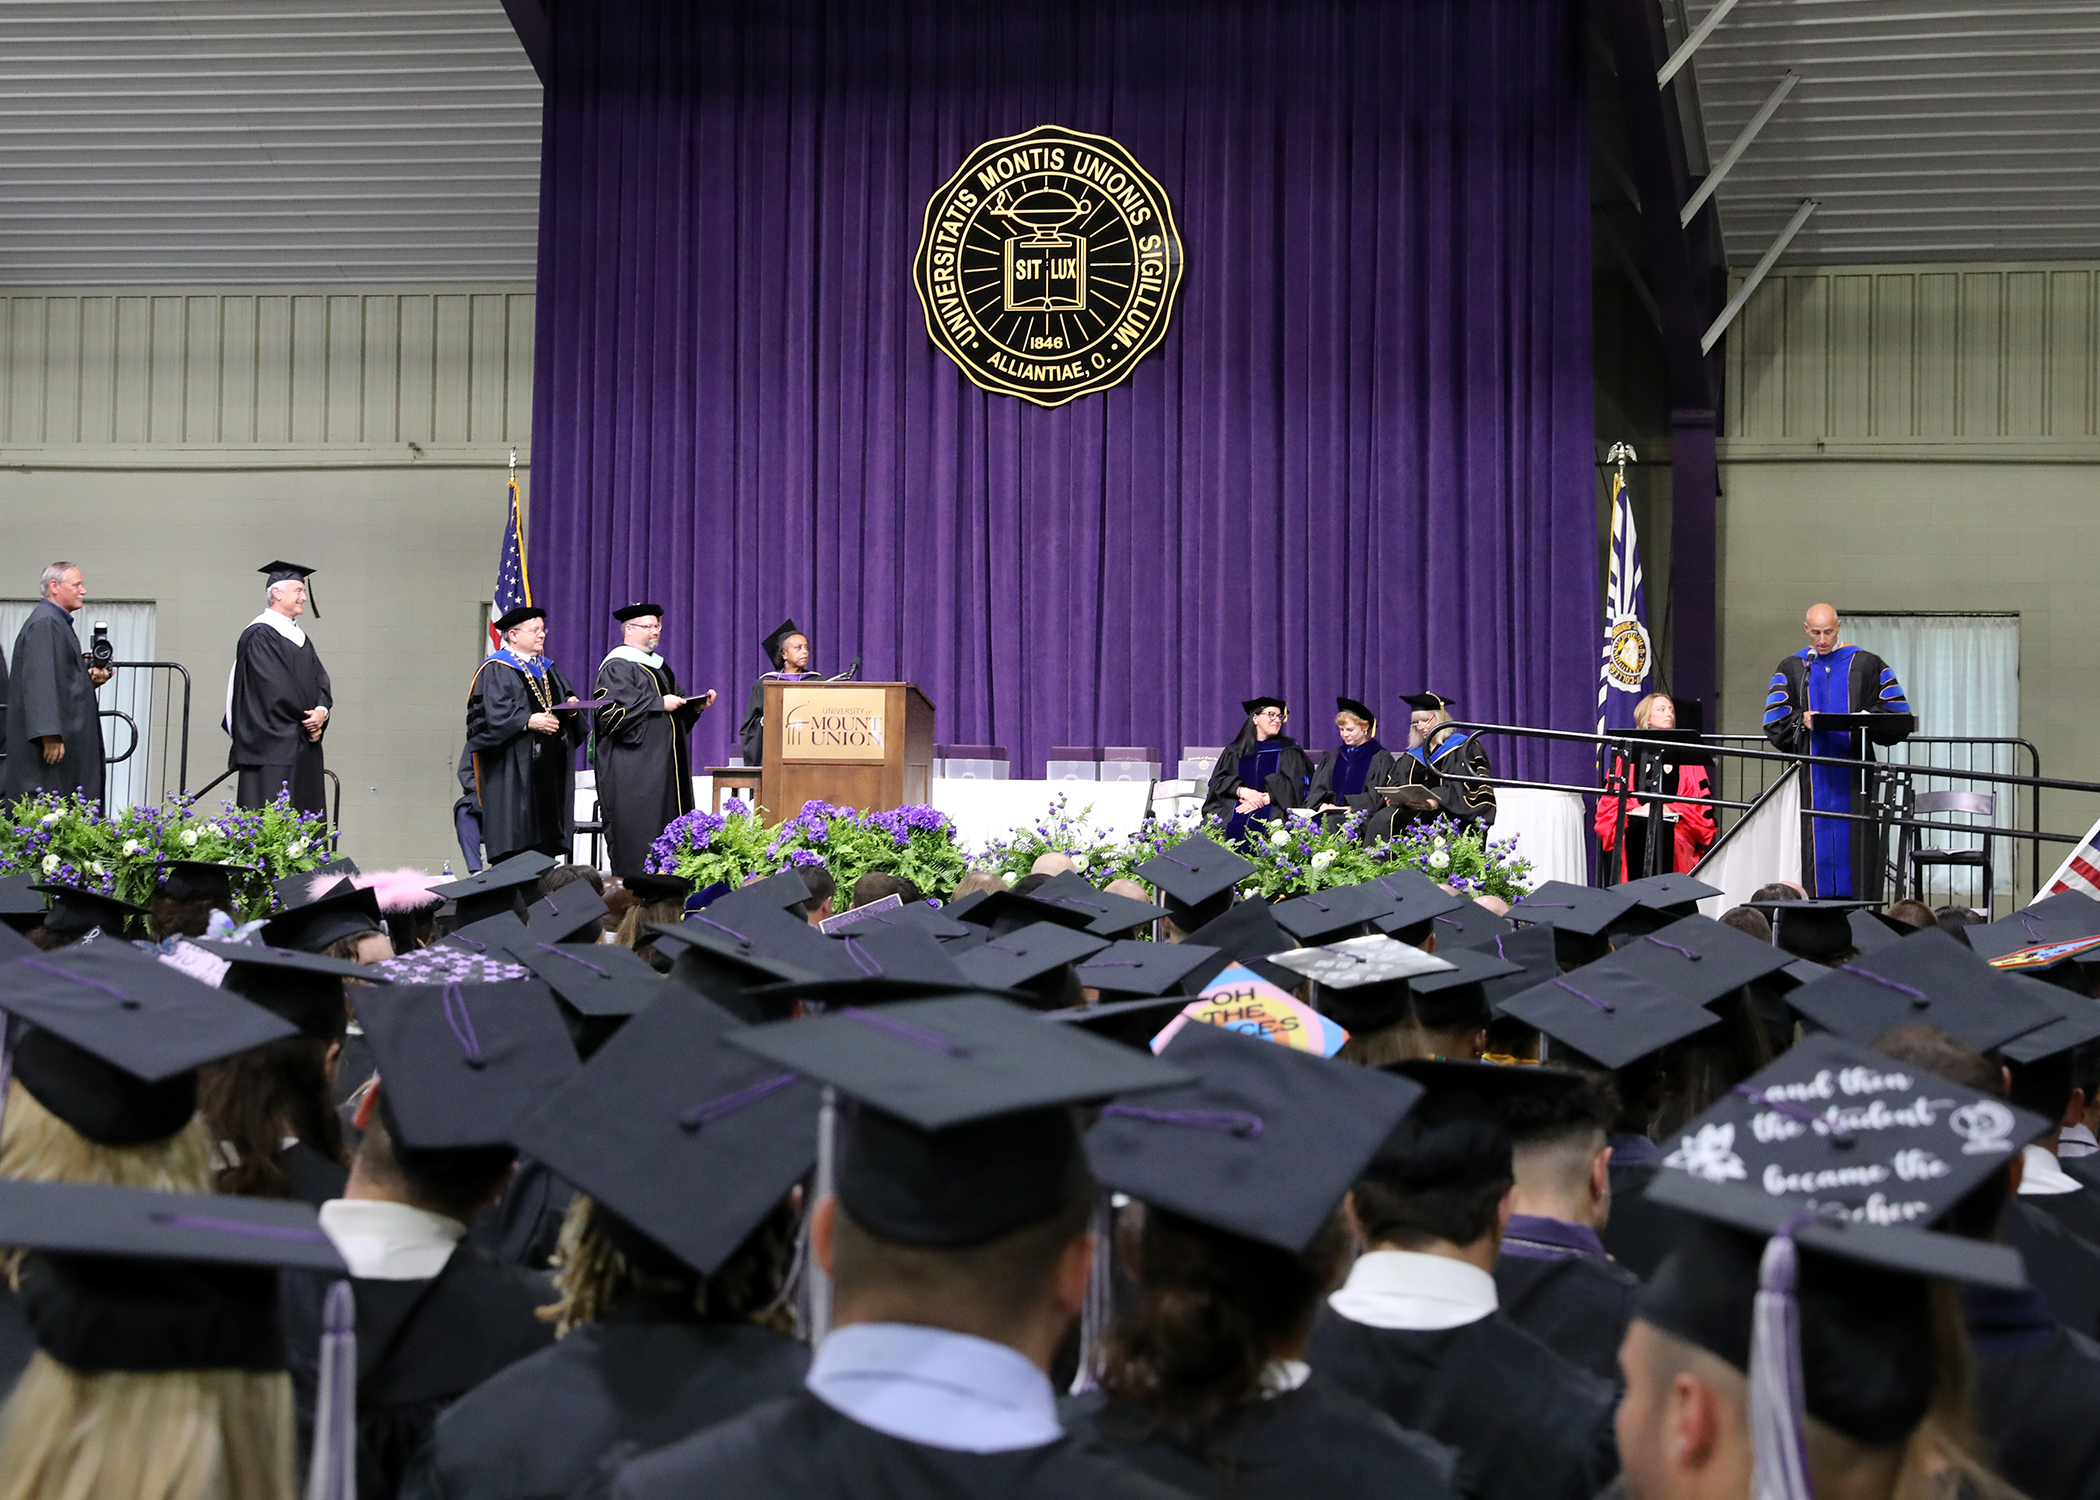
point(1922, 438)
point(171, 443)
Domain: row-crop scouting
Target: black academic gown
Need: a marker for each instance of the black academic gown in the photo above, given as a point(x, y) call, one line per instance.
point(2078, 1212)
point(17, 1343)
point(645, 766)
point(800, 1449)
point(2037, 1395)
point(50, 693)
point(421, 1345)
point(1316, 1441)
point(561, 1422)
point(1342, 777)
point(1286, 784)
point(1470, 804)
point(1577, 1305)
point(1527, 1424)
point(275, 685)
point(751, 738)
point(1639, 1234)
point(313, 1177)
point(2060, 1265)
point(526, 780)
point(1842, 858)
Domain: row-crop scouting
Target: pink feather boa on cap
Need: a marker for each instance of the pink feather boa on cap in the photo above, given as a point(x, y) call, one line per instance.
point(401, 890)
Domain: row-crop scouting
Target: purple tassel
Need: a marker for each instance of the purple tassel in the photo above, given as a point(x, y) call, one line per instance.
point(333, 1473)
point(1778, 1452)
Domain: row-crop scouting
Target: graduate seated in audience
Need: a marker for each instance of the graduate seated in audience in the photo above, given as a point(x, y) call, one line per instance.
point(1911, 914)
point(657, 898)
point(1554, 1277)
point(1417, 1329)
point(1234, 1237)
point(672, 1314)
point(1053, 863)
point(823, 892)
point(77, 914)
point(1955, 921)
point(874, 885)
point(976, 881)
point(1260, 775)
point(959, 1253)
point(187, 893)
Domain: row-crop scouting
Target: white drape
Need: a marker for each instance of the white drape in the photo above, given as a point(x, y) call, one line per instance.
point(131, 630)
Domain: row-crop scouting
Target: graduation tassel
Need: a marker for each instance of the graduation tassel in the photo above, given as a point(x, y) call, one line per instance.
point(816, 1281)
point(8, 1027)
point(332, 1474)
point(1095, 1310)
point(1778, 1455)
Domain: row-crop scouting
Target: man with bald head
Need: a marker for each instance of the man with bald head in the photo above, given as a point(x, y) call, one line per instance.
point(1830, 677)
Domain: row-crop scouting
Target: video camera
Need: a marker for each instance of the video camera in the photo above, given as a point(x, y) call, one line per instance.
point(100, 652)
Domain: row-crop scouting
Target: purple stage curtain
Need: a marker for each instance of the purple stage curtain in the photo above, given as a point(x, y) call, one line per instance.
point(1361, 462)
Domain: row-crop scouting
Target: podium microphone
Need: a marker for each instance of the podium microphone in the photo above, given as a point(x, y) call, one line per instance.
point(850, 673)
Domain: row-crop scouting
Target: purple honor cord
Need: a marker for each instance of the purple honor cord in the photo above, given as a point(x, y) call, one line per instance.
point(462, 1024)
point(1225, 1121)
point(1778, 1406)
point(729, 1104)
point(1603, 1005)
point(862, 959)
point(1673, 947)
point(81, 979)
point(741, 940)
point(572, 958)
point(1918, 997)
point(904, 1031)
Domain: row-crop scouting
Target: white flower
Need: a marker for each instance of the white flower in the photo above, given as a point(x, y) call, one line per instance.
point(1439, 844)
point(96, 866)
point(1439, 860)
point(1710, 1154)
point(1007, 876)
point(50, 818)
point(189, 838)
point(214, 830)
point(1323, 859)
point(131, 846)
point(1079, 863)
point(1280, 838)
point(51, 864)
point(295, 848)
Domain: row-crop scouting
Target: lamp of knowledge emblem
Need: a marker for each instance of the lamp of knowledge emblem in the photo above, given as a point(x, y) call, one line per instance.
point(1626, 661)
point(1048, 265)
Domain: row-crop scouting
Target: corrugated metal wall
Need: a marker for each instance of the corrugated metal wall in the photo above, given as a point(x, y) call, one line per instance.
point(1921, 353)
point(268, 368)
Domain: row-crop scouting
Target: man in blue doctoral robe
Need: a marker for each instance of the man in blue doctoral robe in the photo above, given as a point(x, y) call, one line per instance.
point(1830, 678)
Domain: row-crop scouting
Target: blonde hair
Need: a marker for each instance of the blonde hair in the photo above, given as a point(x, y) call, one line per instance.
point(634, 926)
point(124, 1435)
point(1352, 718)
point(1645, 709)
point(593, 1274)
point(37, 1146)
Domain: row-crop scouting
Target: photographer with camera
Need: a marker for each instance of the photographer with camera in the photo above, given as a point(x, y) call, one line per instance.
point(54, 738)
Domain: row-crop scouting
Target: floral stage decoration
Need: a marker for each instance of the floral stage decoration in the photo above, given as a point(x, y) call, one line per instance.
point(916, 842)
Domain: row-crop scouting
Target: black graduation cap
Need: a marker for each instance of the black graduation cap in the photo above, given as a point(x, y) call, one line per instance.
point(1132, 968)
point(963, 1133)
point(344, 912)
point(21, 904)
point(501, 887)
point(2077, 1022)
point(306, 989)
point(726, 966)
point(1037, 958)
point(1458, 996)
point(115, 1038)
point(1354, 706)
point(1323, 916)
point(691, 1142)
point(1572, 908)
point(1418, 903)
point(1531, 949)
point(1458, 1132)
point(200, 880)
point(2074, 906)
point(1811, 929)
point(652, 888)
point(1130, 1023)
point(1253, 706)
point(511, 619)
point(1245, 934)
point(1469, 925)
point(783, 890)
point(1675, 894)
point(1265, 1145)
point(1871, 931)
point(1362, 983)
point(637, 611)
point(287, 572)
point(1929, 978)
point(1428, 702)
point(2042, 942)
point(1609, 1012)
point(916, 915)
point(595, 979)
point(495, 934)
point(460, 1064)
point(75, 912)
point(1108, 915)
point(1197, 877)
point(573, 914)
point(878, 966)
point(1004, 911)
point(1700, 959)
point(310, 885)
point(136, 1279)
point(771, 644)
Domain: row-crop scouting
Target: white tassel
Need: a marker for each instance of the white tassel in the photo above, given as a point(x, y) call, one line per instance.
point(1095, 1311)
point(816, 1281)
point(1779, 1456)
point(332, 1474)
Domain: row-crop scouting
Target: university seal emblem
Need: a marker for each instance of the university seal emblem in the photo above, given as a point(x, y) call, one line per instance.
point(1626, 662)
point(1048, 265)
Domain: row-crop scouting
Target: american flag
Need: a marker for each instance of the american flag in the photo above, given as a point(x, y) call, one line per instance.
point(2081, 872)
point(513, 583)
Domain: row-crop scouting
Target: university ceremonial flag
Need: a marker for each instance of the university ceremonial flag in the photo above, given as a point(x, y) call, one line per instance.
point(1622, 677)
point(2081, 872)
point(513, 583)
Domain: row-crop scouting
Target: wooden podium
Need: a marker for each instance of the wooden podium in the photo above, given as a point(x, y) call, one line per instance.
point(856, 744)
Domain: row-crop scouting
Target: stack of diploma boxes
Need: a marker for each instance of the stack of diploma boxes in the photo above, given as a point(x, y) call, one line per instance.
point(1099, 763)
point(970, 762)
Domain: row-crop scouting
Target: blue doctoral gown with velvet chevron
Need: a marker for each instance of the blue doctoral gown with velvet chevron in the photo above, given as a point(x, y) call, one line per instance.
point(1847, 680)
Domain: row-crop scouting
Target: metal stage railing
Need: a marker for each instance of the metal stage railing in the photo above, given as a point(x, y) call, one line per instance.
point(1748, 766)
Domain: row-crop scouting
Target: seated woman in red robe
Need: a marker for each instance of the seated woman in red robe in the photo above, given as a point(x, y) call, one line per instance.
point(1692, 823)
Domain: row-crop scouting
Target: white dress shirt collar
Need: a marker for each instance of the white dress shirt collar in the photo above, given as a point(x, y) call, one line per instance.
point(2077, 1140)
point(2042, 1176)
point(1407, 1289)
point(931, 1386)
point(289, 629)
point(382, 1241)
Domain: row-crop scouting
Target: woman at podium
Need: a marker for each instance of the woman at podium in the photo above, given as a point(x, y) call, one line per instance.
point(787, 648)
